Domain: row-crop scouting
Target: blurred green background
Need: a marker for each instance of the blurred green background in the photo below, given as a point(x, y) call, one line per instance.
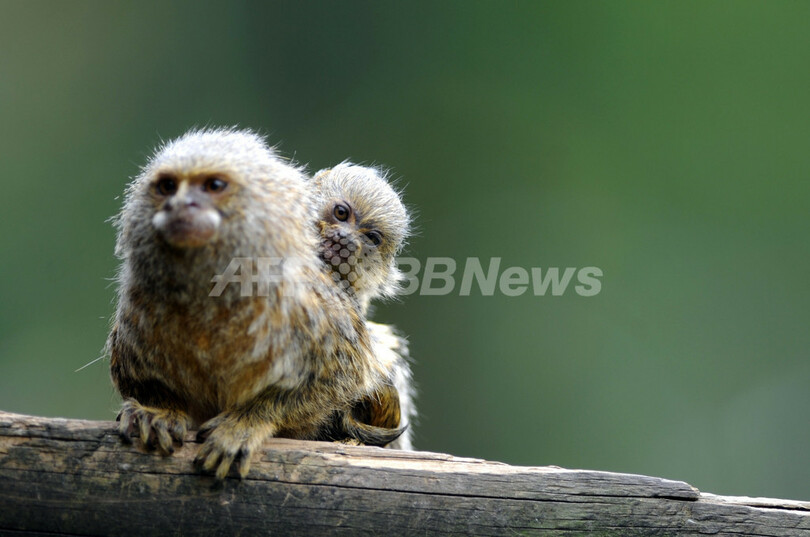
point(663, 142)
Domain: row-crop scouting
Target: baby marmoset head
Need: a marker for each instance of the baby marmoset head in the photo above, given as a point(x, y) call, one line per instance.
point(363, 225)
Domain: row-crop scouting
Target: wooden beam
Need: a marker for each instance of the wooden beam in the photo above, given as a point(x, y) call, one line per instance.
point(75, 477)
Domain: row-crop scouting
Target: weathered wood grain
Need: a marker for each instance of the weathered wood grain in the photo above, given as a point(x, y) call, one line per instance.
point(74, 477)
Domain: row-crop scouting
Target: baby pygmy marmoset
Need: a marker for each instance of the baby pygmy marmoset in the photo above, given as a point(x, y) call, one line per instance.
point(277, 359)
point(363, 225)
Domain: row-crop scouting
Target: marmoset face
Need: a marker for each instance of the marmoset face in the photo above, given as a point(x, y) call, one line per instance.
point(188, 206)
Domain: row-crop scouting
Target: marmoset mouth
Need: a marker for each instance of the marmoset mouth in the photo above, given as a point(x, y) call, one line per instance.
point(188, 228)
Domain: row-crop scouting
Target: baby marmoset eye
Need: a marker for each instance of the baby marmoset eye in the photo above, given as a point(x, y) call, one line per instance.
point(341, 212)
point(374, 236)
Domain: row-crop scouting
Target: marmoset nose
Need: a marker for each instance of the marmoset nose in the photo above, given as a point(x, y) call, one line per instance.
point(178, 203)
point(186, 198)
point(188, 202)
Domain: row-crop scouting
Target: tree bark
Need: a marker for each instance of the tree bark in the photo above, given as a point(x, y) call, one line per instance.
point(75, 477)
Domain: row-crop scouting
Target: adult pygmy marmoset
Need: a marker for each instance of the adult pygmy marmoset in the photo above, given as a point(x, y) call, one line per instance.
point(242, 366)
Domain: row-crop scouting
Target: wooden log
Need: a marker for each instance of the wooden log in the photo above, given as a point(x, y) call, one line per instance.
point(75, 477)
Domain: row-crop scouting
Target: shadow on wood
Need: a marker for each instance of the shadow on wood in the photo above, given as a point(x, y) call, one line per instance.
point(74, 477)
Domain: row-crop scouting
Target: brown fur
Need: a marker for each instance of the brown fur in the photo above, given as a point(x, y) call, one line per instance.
point(365, 271)
point(242, 368)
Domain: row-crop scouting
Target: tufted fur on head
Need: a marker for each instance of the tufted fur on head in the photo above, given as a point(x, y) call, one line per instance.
point(361, 243)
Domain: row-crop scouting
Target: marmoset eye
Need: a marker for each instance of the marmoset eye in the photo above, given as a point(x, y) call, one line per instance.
point(341, 212)
point(166, 185)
